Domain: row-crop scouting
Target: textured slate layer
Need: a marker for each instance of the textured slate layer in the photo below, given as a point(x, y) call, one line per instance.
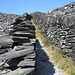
point(59, 27)
point(17, 44)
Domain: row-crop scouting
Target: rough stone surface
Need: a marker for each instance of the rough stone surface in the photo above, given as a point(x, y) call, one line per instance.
point(17, 44)
point(58, 26)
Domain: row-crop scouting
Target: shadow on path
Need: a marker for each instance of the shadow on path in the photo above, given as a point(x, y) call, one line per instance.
point(43, 65)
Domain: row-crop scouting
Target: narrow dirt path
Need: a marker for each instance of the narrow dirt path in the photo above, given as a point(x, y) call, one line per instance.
point(43, 64)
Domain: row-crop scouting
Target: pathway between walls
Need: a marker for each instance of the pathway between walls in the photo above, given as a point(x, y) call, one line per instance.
point(44, 65)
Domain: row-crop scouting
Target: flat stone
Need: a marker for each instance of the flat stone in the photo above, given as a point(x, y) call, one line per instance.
point(25, 25)
point(21, 38)
point(5, 39)
point(17, 48)
point(6, 45)
point(31, 31)
point(15, 54)
point(30, 56)
point(22, 71)
point(24, 35)
point(26, 63)
point(28, 44)
point(23, 28)
point(21, 41)
point(3, 51)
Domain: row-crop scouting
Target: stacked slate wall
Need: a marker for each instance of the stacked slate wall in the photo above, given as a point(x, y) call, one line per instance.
point(59, 27)
point(17, 44)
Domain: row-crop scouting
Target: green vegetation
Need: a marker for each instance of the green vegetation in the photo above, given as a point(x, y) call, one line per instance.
point(73, 73)
point(65, 64)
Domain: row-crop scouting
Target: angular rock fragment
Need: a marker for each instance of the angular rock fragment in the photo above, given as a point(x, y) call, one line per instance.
point(58, 26)
point(27, 63)
point(17, 43)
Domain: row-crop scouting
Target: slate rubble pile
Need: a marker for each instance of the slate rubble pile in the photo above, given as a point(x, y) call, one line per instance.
point(59, 27)
point(17, 44)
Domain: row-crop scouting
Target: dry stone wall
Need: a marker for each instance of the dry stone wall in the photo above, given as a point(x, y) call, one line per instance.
point(17, 43)
point(59, 27)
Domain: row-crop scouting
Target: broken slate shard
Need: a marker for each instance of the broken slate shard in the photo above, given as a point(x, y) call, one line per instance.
point(17, 44)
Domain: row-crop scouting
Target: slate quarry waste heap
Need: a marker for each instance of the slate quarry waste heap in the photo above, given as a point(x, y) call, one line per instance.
point(58, 26)
point(17, 44)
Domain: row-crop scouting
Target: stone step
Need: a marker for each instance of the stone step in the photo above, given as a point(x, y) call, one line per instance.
point(26, 63)
point(15, 54)
point(17, 48)
point(22, 63)
point(6, 39)
point(24, 25)
point(25, 31)
point(21, 41)
point(30, 56)
point(19, 38)
point(22, 71)
point(23, 28)
point(28, 44)
point(24, 35)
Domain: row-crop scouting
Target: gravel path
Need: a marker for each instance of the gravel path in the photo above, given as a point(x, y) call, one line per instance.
point(43, 64)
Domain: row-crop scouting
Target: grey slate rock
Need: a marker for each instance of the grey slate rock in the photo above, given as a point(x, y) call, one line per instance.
point(17, 43)
point(26, 63)
point(15, 54)
point(58, 26)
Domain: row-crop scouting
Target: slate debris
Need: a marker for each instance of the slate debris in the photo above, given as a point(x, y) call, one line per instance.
point(58, 26)
point(17, 42)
